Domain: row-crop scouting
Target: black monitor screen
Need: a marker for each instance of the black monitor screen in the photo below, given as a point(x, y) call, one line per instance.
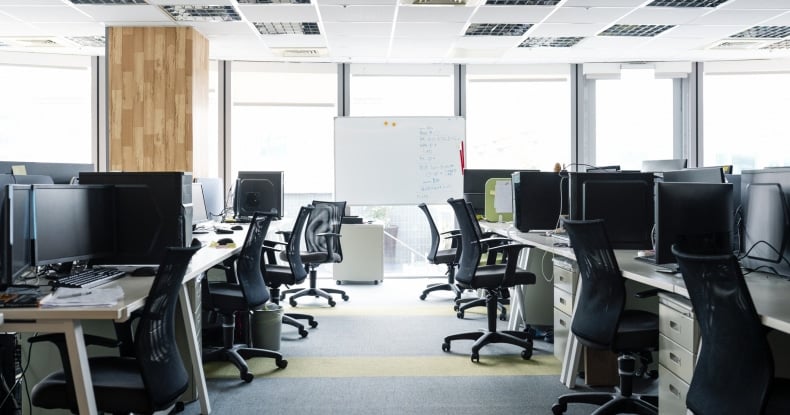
point(695, 216)
point(260, 191)
point(199, 213)
point(72, 222)
point(698, 175)
point(626, 206)
point(16, 245)
point(765, 223)
point(539, 198)
point(578, 179)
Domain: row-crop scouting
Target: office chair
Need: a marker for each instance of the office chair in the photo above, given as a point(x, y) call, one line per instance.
point(293, 273)
point(440, 256)
point(322, 241)
point(244, 295)
point(491, 279)
point(734, 373)
point(153, 378)
point(600, 321)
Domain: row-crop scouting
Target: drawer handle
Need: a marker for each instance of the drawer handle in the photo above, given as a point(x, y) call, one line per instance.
point(562, 300)
point(562, 278)
point(675, 358)
point(674, 390)
point(674, 326)
point(563, 323)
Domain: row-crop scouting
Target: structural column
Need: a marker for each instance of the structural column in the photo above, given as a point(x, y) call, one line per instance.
point(157, 104)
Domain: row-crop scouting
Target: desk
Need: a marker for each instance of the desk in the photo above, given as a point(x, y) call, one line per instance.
point(769, 292)
point(69, 322)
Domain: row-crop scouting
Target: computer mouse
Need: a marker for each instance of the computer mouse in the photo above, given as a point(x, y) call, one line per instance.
point(196, 242)
point(222, 231)
point(224, 241)
point(143, 272)
point(237, 227)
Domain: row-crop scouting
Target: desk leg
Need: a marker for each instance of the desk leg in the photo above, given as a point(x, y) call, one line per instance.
point(194, 351)
point(78, 358)
point(516, 308)
point(573, 351)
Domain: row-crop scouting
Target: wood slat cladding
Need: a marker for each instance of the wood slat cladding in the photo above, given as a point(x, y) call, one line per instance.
point(158, 97)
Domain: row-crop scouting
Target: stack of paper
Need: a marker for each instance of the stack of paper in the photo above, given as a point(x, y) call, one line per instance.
point(83, 297)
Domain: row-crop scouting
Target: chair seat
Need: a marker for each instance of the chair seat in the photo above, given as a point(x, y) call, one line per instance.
point(227, 296)
point(637, 330)
point(117, 386)
point(490, 276)
point(444, 256)
point(277, 275)
point(778, 399)
point(320, 257)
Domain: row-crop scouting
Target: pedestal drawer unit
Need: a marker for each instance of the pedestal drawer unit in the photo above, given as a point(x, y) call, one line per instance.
point(678, 343)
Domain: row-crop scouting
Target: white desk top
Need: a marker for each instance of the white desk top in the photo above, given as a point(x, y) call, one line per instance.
point(769, 292)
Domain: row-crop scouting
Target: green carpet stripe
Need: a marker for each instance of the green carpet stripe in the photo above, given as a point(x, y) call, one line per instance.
point(392, 366)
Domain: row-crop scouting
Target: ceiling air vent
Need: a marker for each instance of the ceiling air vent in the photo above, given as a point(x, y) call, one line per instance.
point(36, 42)
point(440, 2)
point(300, 52)
point(784, 44)
point(737, 44)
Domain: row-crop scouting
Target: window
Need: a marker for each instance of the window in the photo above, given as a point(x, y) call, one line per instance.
point(283, 120)
point(634, 119)
point(46, 115)
point(745, 116)
point(518, 116)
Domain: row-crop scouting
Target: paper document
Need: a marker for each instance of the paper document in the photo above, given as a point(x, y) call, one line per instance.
point(83, 297)
point(503, 197)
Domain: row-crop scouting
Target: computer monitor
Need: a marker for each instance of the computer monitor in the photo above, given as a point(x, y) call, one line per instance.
point(258, 191)
point(576, 181)
point(213, 197)
point(474, 185)
point(72, 223)
point(626, 206)
point(17, 247)
point(654, 166)
point(697, 175)
point(766, 220)
point(695, 216)
point(539, 198)
point(199, 212)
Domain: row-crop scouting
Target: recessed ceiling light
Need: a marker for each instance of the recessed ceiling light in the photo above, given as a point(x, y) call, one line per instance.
point(274, 1)
point(108, 2)
point(521, 2)
point(686, 3)
point(193, 13)
point(549, 42)
point(288, 28)
point(497, 29)
point(88, 41)
point(635, 30)
point(776, 32)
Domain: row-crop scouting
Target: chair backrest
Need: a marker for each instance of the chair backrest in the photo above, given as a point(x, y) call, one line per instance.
point(163, 371)
point(602, 296)
point(435, 236)
point(470, 246)
point(735, 366)
point(325, 217)
point(294, 247)
point(248, 264)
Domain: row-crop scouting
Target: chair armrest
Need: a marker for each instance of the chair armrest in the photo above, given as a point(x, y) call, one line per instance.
point(510, 248)
point(270, 248)
point(648, 293)
point(451, 232)
point(286, 234)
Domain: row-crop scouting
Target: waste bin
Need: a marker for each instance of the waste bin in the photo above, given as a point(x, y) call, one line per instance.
point(267, 327)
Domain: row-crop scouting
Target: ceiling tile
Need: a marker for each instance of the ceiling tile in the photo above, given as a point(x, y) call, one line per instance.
point(488, 42)
point(587, 14)
point(279, 13)
point(662, 16)
point(126, 13)
point(781, 20)
point(735, 17)
point(73, 29)
point(566, 29)
point(510, 14)
point(293, 41)
point(192, 2)
point(14, 28)
point(357, 13)
point(604, 3)
point(214, 29)
point(756, 4)
point(30, 2)
point(434, 14)
point(357, 29)
point(357, 2)
point(426, 41)
point(404, 29)
point(60, 13)
point(697, 31)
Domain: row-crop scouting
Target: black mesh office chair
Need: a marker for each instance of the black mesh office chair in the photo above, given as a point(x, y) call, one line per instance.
point(322, 243)
point(600, 321)
point(490, 278)
point(440, 256)
point(293, 273)
point(244, 295)
point(153, 378)
point(734, 373)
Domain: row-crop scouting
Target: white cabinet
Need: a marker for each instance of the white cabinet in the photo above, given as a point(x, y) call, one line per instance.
point(678, 342)
point(363, 253)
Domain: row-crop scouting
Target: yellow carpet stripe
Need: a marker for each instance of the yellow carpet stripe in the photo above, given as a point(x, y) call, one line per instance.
point(392, 366)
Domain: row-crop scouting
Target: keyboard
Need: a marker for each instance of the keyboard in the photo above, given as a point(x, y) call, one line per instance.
point(88, 278)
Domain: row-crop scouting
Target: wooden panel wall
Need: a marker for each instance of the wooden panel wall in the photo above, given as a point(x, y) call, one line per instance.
point(158, 97)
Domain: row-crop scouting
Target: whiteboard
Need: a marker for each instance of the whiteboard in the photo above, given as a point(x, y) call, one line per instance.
point(398, 160)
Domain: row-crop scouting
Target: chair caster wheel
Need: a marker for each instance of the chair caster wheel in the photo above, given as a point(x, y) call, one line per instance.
point(456, 307)
point(376, 282)
point(247, 377)
point(338, 282)
point(503, 317)
point(292, 302)
point(475, 357)
point(303, 333)
point(345, 297)
point(446, 346)
point(282, 297)
point(526, 354)
point(460, 314)
point(179, 407)
point(332, 303)
point(423, 296)
point(558, 409)
point(313, 324)
point(282, 363)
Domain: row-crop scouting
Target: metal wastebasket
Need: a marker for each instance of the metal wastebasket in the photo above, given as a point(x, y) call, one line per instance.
point(267, 327)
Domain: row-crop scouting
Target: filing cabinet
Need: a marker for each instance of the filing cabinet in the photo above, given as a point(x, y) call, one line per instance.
point(678, 343)
point(565, 278)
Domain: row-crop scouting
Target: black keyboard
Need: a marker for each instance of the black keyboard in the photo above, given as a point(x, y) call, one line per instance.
point(88, 278)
